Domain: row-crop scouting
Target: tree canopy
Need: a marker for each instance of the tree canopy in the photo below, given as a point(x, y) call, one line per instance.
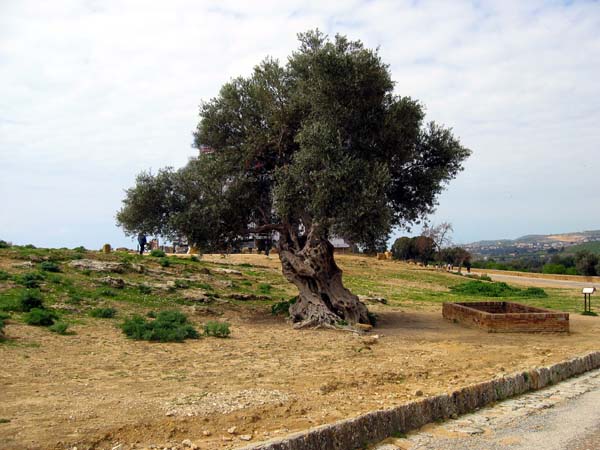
point(316, 147)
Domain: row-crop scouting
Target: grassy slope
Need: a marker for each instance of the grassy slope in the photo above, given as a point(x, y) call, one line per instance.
point(75, 292)
point(593, 247)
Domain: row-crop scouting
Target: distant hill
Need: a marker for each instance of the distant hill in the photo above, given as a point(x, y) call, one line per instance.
point(538, 243)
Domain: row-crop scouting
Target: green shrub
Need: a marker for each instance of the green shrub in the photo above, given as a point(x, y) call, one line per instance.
point(589, 313)
point(182, 284)
point(283, 307)
point(164, 262)
point(30, 246)
point(265, 288)
point(59, 327)
point(169, 326)
point(40, 317)
point(144, 289)
point(151, 314)
point(30, 279)
point(80, 249)
point(157, 253)
point(4, 275)
point(49, 266)
point(86, 272)
point(30, 299)
point(495, 289)
point(554, 268)
point(4, 244)
point(103, 313)
point(194, 258)
point(107, 292)
point(217, 329)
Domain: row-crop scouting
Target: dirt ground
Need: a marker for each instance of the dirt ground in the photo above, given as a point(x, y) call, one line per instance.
point(97, 389)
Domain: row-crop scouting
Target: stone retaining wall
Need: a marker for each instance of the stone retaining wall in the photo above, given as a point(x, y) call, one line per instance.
point(376, 426)
point(503, 317)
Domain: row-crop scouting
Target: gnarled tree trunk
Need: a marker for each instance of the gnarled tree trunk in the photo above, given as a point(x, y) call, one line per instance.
point(323, 300)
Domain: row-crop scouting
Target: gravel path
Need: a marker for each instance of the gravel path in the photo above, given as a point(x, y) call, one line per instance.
point(540, 282)
point(561, 417)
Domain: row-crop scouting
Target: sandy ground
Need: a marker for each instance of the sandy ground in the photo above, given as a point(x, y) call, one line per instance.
point(97, 388)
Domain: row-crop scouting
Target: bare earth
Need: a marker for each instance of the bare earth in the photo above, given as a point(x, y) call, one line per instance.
point(97, 389)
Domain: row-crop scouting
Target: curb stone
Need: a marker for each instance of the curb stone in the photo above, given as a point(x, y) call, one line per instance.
point(378, 425)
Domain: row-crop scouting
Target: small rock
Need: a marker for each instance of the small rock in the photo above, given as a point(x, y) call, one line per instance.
point(226, 438)
point(227, 271)
point(118, 447)
point(370, 340)
point(186, 443)
point(245, 437)
point(365, 298)
point(232, 430)
point(170, 413)
point(419, 393)
point(116, 283)
point(206, 433)
point(363, 326)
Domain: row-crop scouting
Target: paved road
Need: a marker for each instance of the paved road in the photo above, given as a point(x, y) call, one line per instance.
point(562, 417)
point(541, 282)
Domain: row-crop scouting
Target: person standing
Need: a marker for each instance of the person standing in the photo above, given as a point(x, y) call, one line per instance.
point(142, 242)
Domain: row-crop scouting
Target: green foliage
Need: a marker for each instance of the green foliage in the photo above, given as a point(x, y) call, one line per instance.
point(4, 275)
point(322, 139)
point(217, 329)
point(169, 326)
point(59, 328)
point(30, 299)
point(40, 317)
point(554, 268)
point(419, 248)
point(157, 253)
point(49, 266)
point(106, 292)
point(80, 249)
point(151, 314)
point(264, 288)
point(182, 284)
point(496, 289)
point(144, 289)
point(30, 279)
point(164, 262)
point(283, 307)
point(103, 313)
point(194, 258)
point(589, 313)
point(4, 244)
point(586, 263)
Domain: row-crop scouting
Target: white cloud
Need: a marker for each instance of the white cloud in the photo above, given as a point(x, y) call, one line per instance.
point(93, 92)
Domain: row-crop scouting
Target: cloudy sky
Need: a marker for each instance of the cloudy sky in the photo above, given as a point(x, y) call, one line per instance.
point(93, 92)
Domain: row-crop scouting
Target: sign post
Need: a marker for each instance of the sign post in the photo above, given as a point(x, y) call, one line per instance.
point(587, 299)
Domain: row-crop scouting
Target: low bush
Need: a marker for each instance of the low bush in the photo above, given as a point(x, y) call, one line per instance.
point(164, 262)
point(589, 313)
point(107, 292)
point(194, 258)
point(144, 289)
point(30, 299)
point(4, 244)
point(283, 307)
point(80, 249)
point(182, 284)
point(59, 327)
point(217, 329)
point(496, 289)
point(40, 317)
point(30, 280)
point(151, 314)
point(169, 326)
point(103, 313)
point(264, 288)
point(49, 266)
point(157, 253)
point(4, 275)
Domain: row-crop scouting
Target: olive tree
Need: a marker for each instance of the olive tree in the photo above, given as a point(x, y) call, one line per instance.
point(317, 147)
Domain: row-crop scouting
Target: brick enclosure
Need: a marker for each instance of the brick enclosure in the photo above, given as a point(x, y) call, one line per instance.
point(506, 317)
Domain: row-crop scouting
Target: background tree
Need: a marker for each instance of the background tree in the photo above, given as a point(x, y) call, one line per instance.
point(317, 147)
point(586, 263)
